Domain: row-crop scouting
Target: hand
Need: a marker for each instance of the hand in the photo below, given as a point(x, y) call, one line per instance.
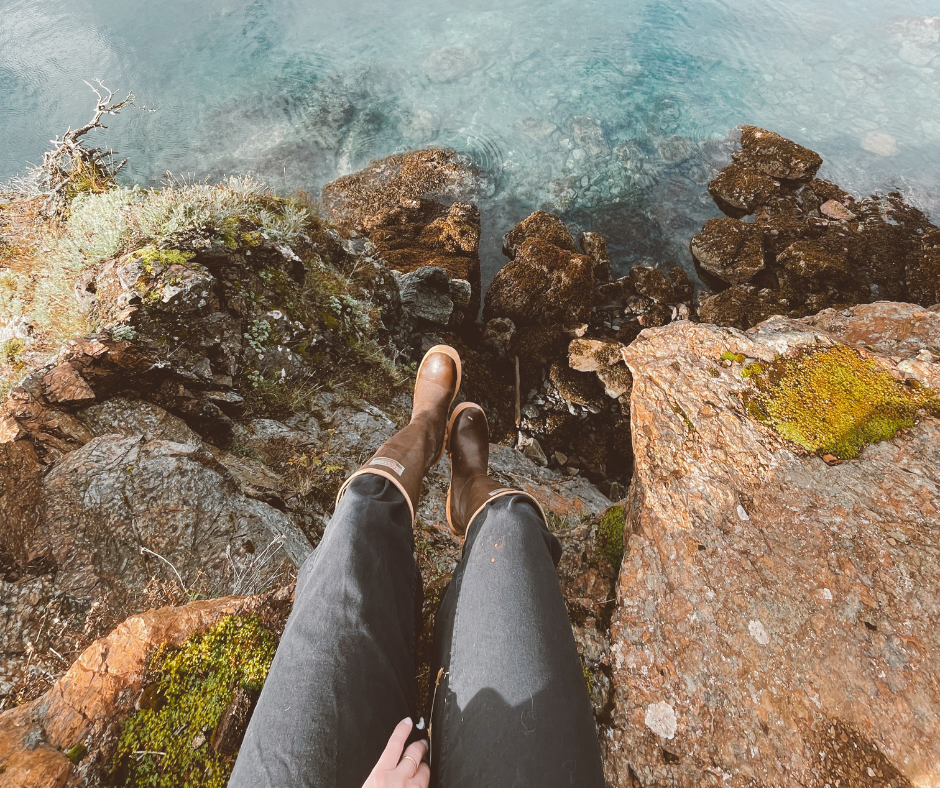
point(394, 769)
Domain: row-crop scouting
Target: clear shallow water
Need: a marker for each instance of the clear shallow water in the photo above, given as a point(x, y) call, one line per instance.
point(614, 113)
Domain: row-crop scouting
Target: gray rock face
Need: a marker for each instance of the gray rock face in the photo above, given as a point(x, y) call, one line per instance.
point(776, 615)
point(425, 294)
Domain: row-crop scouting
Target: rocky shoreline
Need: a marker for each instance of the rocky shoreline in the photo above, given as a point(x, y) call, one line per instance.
point(190, 447)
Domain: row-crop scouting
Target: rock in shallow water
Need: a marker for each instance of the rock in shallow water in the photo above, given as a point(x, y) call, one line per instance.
point(783, 609)
point(729, 249)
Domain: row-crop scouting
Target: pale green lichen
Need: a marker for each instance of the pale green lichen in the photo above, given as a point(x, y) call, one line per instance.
point(168, 743)
point(610, 534)
point(835, 401)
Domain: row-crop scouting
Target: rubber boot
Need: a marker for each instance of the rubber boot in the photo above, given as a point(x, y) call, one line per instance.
point(407, 456)
point(471, 488)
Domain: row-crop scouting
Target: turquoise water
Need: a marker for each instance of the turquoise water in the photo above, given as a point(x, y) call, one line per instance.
point(615, 113)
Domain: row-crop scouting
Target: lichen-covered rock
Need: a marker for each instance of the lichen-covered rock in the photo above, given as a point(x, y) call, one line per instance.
point(425, 294)
point(545, 227)
point(733, 307)
point(590, 355)
point(811, 260)
point(741, 188)
point(775, 621)
point(776, 156)
point(541, 285)
point(358, 201)
point(731, 250)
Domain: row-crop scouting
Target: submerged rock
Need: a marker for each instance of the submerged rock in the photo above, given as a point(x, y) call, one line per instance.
point(771, 602)
point(451, 63)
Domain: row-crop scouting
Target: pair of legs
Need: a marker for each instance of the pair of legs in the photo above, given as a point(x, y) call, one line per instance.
point(511, 706)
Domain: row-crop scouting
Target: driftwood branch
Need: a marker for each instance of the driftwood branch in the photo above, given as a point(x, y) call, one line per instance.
point(70, 166)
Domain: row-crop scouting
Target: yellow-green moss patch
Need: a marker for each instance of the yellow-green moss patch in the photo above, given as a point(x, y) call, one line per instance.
point(835, 401)
point(171, 740)
point(610, 534)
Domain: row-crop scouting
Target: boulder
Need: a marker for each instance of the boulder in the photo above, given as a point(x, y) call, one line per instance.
point(811, 260)
point(776, 156)
point(731, 250)
point(741, 188)
point(652, 283)
point(776, 614)
point(543, 284)
point(425, 295)
point(734, 307)
point(545, 227)
point(449, 64)
point(356, 202)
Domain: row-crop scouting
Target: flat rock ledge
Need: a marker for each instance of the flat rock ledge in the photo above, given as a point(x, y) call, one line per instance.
point(776, 618)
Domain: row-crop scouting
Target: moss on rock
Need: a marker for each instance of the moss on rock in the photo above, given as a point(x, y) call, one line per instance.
point(835, 401)
point(169, 742)
point(610, 534)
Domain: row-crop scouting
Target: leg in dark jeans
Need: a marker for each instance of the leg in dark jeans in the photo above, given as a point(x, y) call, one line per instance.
point(512, 707)
point(343, 675)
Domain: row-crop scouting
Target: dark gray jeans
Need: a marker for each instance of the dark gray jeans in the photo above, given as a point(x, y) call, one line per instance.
point(511, 708)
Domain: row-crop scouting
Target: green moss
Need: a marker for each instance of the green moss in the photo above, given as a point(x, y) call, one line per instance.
point(151, 257)
point(677, 409)
point(834, 401)
point(752, 369)
point(168, 742)
point(76, 754)
point(610, 534)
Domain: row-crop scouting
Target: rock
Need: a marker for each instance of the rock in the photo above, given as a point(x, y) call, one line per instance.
point(682, 287)
point(776, 156)
point(589, 135)
point(425, 294)
point(123, 416)
point(813, 261)
point(430, 235)
point(531, 449)
point(777, 604)
point(120, 510)
point(449, 64)
point(880, 144)
point(590, 355)
point(923, 271)
point(652, 282)
point(577, 388)
point(616, 379)
point(543, 284)
point(731, 250)
point(546, 227)
point(594, 246)
point(89, 705)
point(741, 188)
point(836, 210)
point(735, 307)
point(498, 334)
point(358, 201)
point(918, 39)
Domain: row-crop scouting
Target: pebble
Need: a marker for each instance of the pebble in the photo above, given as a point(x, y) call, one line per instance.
point(530, 411)
point(562, 458)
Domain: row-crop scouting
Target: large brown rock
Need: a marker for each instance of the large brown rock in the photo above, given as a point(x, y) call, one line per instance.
point(740, 188)
point(545, 227)
point(358, 201)
point(776, 156)
point(729, 249)
point(776, 615)
point(542, 285)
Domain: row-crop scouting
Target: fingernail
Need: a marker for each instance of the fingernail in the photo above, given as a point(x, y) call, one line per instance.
point(408, 720)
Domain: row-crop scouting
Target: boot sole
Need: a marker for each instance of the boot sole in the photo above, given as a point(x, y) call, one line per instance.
point(451, 353)
point(450, 456)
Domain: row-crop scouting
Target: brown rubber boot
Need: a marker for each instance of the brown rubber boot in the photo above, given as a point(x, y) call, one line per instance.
point(471, 489)
point(405, 457)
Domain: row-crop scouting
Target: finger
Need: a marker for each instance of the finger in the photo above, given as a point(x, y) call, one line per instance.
point(417, 750)
point(411, 760)
point(422, 778)
point(392, 754)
